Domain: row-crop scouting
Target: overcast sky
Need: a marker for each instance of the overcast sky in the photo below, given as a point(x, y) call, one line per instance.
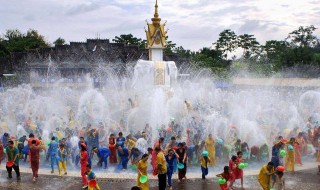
point(192, 24)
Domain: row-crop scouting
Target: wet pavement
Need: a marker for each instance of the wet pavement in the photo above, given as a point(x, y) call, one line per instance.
point(301, 180)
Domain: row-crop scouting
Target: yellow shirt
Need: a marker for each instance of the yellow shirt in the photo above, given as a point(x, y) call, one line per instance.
point(161, 163)
point(131, 144)
point(203, 162)
point(143, 167)
point(263, 176)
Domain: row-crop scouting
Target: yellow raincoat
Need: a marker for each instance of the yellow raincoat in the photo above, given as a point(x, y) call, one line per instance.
point(264, 177)
point(211, 151)
point(143, 167)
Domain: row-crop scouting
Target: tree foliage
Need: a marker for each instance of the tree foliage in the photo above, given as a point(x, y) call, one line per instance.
point(16, 41)
point(60, 41)
point(129, 39)
point(227, 42)
point(303, 37)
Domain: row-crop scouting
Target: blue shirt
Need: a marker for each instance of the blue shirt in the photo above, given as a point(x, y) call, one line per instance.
point(125, 153)
point(170, 161)
point(91, 175)
point(62, 155)
point(103, 152)
point(121, 141)
point(53, 148)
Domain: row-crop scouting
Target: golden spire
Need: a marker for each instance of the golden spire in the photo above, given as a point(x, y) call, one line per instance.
point(156, 20)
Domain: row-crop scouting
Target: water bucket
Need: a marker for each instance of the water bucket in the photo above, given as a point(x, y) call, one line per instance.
point(10, 164)
point(283, 153)
point(280, 168)
point(143, 179)
point(222, 181)
point(290, 147)
point(134, 167)
point(180, 166)
point(205, 153)
point(92, 183)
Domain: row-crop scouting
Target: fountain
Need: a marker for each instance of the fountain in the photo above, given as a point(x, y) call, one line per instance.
point(153, 96)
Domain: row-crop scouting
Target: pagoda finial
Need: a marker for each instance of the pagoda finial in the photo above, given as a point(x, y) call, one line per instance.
point(156, 14)
point(156, 20)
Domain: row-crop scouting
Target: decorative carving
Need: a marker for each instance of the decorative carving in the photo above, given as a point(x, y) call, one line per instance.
point(159, 73)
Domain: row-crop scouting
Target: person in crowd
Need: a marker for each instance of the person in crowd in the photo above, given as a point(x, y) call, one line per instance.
point(12, 154)
point(237, 145)
point(210, 147)
point(143, 170)
point(264, 153)
point(5, 139)
point(84, 162)
point(123, 154)
point(113, 150)
point(279, 180)
point(159, 144)
point(239, 172)
point(298, 147)
point(120, 140)
point(93, 139)
point(275, 159)
point(182, 158)
point(62, 159)
point(91, 176)
point(171, 158)
point(135, 156)
point(2, 152)
point(289, 162)
point(218, 150)
point(130, 142)
point(233, 168)
point(245, 150)
point(35, 159)
point(205, 160)
point(255, 153)
point(161, 169)
point(103, 154)
point(227, 175)
point(265, 175)
point(52, 153)
point(21, 142)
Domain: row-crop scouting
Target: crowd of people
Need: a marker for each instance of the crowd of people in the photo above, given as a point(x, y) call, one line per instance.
point(193, 140)
point(170, 153)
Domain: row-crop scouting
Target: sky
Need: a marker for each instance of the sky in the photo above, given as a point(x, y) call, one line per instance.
point(192, 24)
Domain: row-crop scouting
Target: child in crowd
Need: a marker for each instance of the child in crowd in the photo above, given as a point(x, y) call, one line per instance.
point(278, 183)
point(227, 175)
point(233, 168)
point(62, 162)
point(204, 164)
point(239, 172)
point(91, 177)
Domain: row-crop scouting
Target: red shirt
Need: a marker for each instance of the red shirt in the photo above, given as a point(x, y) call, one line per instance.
point(34, 153)
point(84, 158)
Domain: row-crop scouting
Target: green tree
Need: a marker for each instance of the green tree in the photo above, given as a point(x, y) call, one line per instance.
point(60, 41)
point(170, 46)
point(129, 39)
point(227, 42)
point(249, 44)
point(185, 53)
point(16, 41)
point(303, 37)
